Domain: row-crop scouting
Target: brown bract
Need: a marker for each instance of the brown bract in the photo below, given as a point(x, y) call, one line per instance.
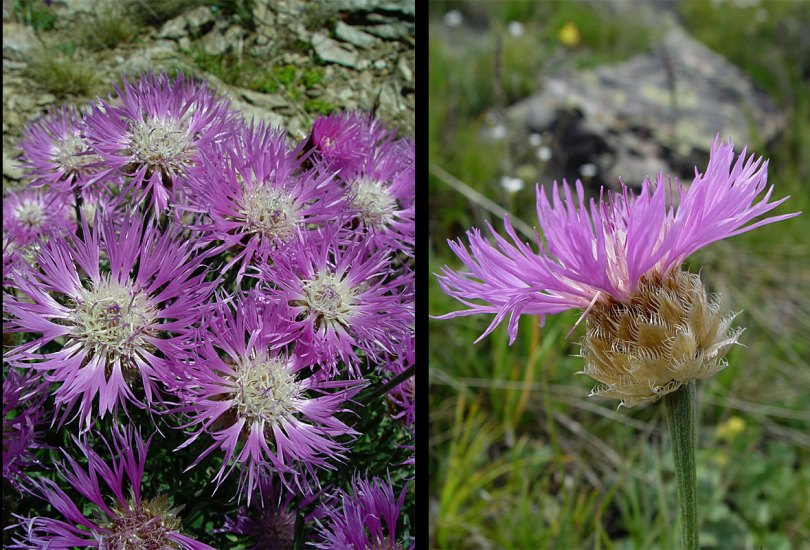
point(667, 333)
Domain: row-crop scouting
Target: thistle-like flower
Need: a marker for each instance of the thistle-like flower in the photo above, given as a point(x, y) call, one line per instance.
point(23, 409)
point(55, 152)
point(154, 133)
point(120, 522)
point(379, 195)
point(365, 517)
point(35, 213)
point(258, 403)
point(273, 524)
point(256, 198)
point(650, 327)
point(340, 298)
point(109, 312)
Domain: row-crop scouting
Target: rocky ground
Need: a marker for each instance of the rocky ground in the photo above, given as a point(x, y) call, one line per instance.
point(282, 61)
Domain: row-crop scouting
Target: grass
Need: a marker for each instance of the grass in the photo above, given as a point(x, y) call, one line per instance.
point(106, 29)
point(63, 71)
point(34, 14)
point(519, 456)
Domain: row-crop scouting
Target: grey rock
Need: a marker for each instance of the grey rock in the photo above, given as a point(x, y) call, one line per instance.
point(174, 28)
point(389, 99)
point(79, 6)
point(251, 112)
point(296, 129)
point(215, 44)
point(45, 99)
point(402, 7)
point(235, 36)
point(658, 111)
point(363, 64)
point(404, 69)
point(14, 65)
point(354, 36)
point(388, 31)
point(11, 167)
point(294, 58)
point(263, 16)
point(380, 65)
point(333, 52)
point(263, 101)
point(199, 20)
point(19, 41)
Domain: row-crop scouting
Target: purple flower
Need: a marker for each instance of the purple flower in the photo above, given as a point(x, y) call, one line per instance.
point(379, 195)
point(35, 213)
point(109, 312)
point(366, 517)
point(256, 198)
point(128, 521)
point(341, 297)
point(23, 408)
point(258, 403)
point(344, 139)
point(273, 524)
point(650, 326)
point(154, 132)
point(602, 252)
point(55, 152)
point(401, 396)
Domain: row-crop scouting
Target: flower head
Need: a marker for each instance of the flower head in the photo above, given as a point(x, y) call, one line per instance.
point(379, 195)
point(259, 404)
point(35, 213)
point(56, 153)
point(340, 297)
point(109, 313)
point(255, 196)
point(624, 250)
point(154, 133)
point(126, 522)
point(273, 524)
point(366, 517)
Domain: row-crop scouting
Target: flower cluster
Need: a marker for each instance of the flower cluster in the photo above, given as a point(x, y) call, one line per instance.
point(650, 328)
point(173, 269)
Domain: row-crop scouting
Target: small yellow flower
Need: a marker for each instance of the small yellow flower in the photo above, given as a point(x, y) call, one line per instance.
point(721, 458)
point(731, 428)
point(569, 35)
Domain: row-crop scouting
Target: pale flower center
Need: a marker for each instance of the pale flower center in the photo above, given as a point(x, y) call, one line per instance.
point(266, 389)
point(145, 528)
point(161, 144)
point(66, 154)
point(113, 320)
point(31, 214)
point(373, 201)
point(270, 212)
point(330, 299)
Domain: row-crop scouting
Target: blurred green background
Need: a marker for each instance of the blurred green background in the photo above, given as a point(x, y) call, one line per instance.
point(520, 457)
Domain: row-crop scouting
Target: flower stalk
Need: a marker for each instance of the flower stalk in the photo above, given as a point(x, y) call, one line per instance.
point(680, 407)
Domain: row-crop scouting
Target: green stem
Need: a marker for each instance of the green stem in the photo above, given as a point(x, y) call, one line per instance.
point(680, 407)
